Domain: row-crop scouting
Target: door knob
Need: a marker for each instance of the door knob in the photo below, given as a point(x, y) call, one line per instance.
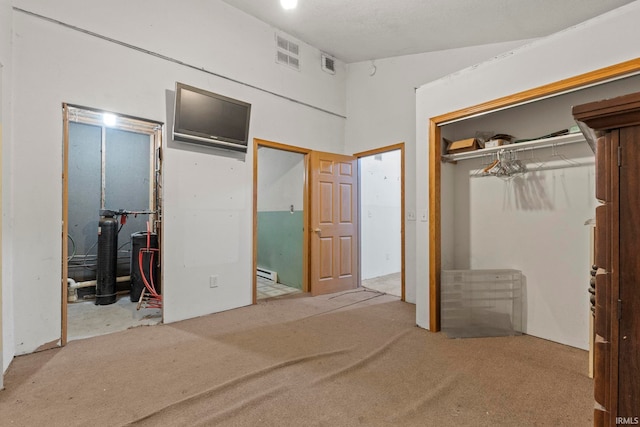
point(317, 230)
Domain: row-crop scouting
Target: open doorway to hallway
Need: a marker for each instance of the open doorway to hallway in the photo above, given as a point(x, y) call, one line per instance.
point(381, 221)
point(329, 254)
point(280, 217)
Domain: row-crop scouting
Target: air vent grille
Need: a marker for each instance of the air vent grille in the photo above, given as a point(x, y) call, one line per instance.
point(287, 52)
point(328, 64)
point(283, 58)
point(282, 43)
point(294, 48)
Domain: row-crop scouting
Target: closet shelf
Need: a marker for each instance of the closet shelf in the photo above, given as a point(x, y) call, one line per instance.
point(571, 138)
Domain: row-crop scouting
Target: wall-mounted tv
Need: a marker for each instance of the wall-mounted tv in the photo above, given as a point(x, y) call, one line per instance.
point(207, 118)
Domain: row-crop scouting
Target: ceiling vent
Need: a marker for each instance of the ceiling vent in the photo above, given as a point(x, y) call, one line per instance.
point(328, 64)
point(287, 52)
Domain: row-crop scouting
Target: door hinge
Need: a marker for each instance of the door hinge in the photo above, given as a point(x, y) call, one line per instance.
point(619, 309)
point(619, 156)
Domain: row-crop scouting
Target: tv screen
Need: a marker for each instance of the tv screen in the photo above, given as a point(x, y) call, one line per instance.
point(207, 118)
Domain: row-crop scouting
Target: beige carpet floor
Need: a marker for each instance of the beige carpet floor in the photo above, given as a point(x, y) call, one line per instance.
point(350, 359)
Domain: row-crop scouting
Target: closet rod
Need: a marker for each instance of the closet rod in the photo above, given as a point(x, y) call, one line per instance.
point(571, 138)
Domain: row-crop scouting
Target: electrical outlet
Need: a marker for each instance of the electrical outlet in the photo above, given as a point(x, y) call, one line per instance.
point(411, 215)
point(213, 281)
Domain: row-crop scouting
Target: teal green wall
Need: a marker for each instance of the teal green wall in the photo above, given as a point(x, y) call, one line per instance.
point(280, 245)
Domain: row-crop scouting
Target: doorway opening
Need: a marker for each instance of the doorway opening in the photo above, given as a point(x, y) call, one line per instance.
point(111, 277)
point(280, 218)
point(381, 220)
point(281, 180)
point(1, 215)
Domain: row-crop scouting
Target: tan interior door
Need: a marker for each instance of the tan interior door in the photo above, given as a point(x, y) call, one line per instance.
point(334, 223)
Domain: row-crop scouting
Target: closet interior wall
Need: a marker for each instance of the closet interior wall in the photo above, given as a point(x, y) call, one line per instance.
point(533, 222)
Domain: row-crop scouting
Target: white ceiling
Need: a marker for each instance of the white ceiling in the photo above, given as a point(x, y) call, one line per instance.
point(359, 30)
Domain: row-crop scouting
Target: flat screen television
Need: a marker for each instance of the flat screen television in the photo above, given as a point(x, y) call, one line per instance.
point(210, 119)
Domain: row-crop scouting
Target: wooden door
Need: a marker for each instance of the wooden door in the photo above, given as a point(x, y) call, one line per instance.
point(334, 223)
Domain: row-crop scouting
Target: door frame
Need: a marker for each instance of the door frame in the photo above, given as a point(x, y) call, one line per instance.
point(1, 212)
point(155, 131)
point(306, 270)
point(305, 212)
point(602, 75)
point(381, 150)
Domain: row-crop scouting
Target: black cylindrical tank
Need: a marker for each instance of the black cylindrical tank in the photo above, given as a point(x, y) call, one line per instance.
point(139, 241)
point(107, 260)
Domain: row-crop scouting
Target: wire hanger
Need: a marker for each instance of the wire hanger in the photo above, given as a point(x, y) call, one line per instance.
point(506, 165)
point(555, 153)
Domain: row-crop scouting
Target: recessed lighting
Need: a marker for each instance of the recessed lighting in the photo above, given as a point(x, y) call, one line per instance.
point(288, 4)
point(109, 119)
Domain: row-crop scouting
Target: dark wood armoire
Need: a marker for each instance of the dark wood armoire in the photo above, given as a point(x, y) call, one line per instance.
point(616, 125)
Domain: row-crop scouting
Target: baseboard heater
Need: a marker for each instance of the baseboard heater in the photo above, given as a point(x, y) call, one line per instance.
point(267, 274)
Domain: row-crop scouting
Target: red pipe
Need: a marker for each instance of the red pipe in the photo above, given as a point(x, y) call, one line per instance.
point(154, 296)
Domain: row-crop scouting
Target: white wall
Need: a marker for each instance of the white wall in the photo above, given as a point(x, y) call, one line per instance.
point(6, 292)
point(207, 193)
point(381, 111)
point(380, 242)
point(281, 180)
point(603, 41)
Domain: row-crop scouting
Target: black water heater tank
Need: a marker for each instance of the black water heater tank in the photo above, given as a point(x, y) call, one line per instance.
point(107, 260)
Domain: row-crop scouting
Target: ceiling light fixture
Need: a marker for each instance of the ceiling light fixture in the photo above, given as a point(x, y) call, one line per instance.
point(109, 119)
point(288, 4)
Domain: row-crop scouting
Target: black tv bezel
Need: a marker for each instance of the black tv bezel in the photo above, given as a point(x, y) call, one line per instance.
point(194, 137)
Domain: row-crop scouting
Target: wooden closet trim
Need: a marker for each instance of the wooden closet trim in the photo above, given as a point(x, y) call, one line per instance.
point(620, 70)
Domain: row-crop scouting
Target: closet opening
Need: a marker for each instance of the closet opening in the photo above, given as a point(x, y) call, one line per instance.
point(525, 205)
point(112, 215)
